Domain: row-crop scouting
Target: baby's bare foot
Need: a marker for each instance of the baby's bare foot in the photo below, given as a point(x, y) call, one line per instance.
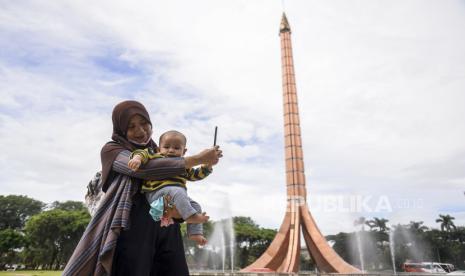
point(198, 218)
point(199, 239)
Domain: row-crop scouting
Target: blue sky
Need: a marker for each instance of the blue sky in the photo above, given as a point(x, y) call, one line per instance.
point(380, 85)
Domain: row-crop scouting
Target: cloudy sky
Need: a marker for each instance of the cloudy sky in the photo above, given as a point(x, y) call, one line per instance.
point(381, 88)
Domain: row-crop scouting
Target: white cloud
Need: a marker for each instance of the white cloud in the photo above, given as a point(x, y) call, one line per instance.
point(380, 88)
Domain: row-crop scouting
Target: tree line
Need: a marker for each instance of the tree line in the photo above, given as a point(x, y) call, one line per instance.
point(38, 235)
point(43, 236)
point(384, 246)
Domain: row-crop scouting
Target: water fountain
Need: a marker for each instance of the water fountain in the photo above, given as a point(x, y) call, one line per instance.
point(220, 246)
point(392, 249)
point(232, 242)
point(218, 253)
point(360, 250)
point(223, 249)
point(415, 249)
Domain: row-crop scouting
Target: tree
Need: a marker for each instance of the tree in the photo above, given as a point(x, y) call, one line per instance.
point(251, 240)
point(379, 223)
point(342, 245)
point(371, 224)
point(417, 227)
point(446, 222)
point(53, 235)
point(16, 209)
point(69, 205)
point(10, 241)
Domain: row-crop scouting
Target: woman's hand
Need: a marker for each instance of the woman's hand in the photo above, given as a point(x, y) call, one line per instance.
point(209, 156)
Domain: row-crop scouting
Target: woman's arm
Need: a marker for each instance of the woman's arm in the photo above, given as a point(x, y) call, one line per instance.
point(155, 169)
point(162, 168)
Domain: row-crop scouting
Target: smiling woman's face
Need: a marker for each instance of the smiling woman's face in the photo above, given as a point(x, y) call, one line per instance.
point(139, 130)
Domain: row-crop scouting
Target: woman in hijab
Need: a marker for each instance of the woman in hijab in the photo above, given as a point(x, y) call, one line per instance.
point(122, 238)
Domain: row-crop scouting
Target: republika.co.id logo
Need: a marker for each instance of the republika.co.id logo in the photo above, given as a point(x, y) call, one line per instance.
point(354, 203)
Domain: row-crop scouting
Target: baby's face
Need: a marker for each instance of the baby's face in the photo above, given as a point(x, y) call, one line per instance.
point(172, 145)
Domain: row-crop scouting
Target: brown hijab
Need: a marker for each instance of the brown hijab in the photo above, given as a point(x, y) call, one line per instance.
point(121, 116)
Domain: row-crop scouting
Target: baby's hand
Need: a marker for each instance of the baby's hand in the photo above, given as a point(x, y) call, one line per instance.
point(135, 162)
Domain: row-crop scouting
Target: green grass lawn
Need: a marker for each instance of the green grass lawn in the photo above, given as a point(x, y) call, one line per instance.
point(32, 273)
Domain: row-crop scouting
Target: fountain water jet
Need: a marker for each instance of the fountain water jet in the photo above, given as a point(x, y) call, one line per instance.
point(232, 241)
point(221, 241)
point(360, 250)
point(223, 249)
point(392, 249)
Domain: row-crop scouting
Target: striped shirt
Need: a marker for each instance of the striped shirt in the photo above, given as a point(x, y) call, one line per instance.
point(192, 174)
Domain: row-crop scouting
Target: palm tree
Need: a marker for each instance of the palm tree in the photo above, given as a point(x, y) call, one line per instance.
point(446, 222)
point(382, 224)
point(379, 223)
point(371, 223)
point(417, 227)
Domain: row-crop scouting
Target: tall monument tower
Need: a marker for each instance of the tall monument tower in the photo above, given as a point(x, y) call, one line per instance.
point(283, 254)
